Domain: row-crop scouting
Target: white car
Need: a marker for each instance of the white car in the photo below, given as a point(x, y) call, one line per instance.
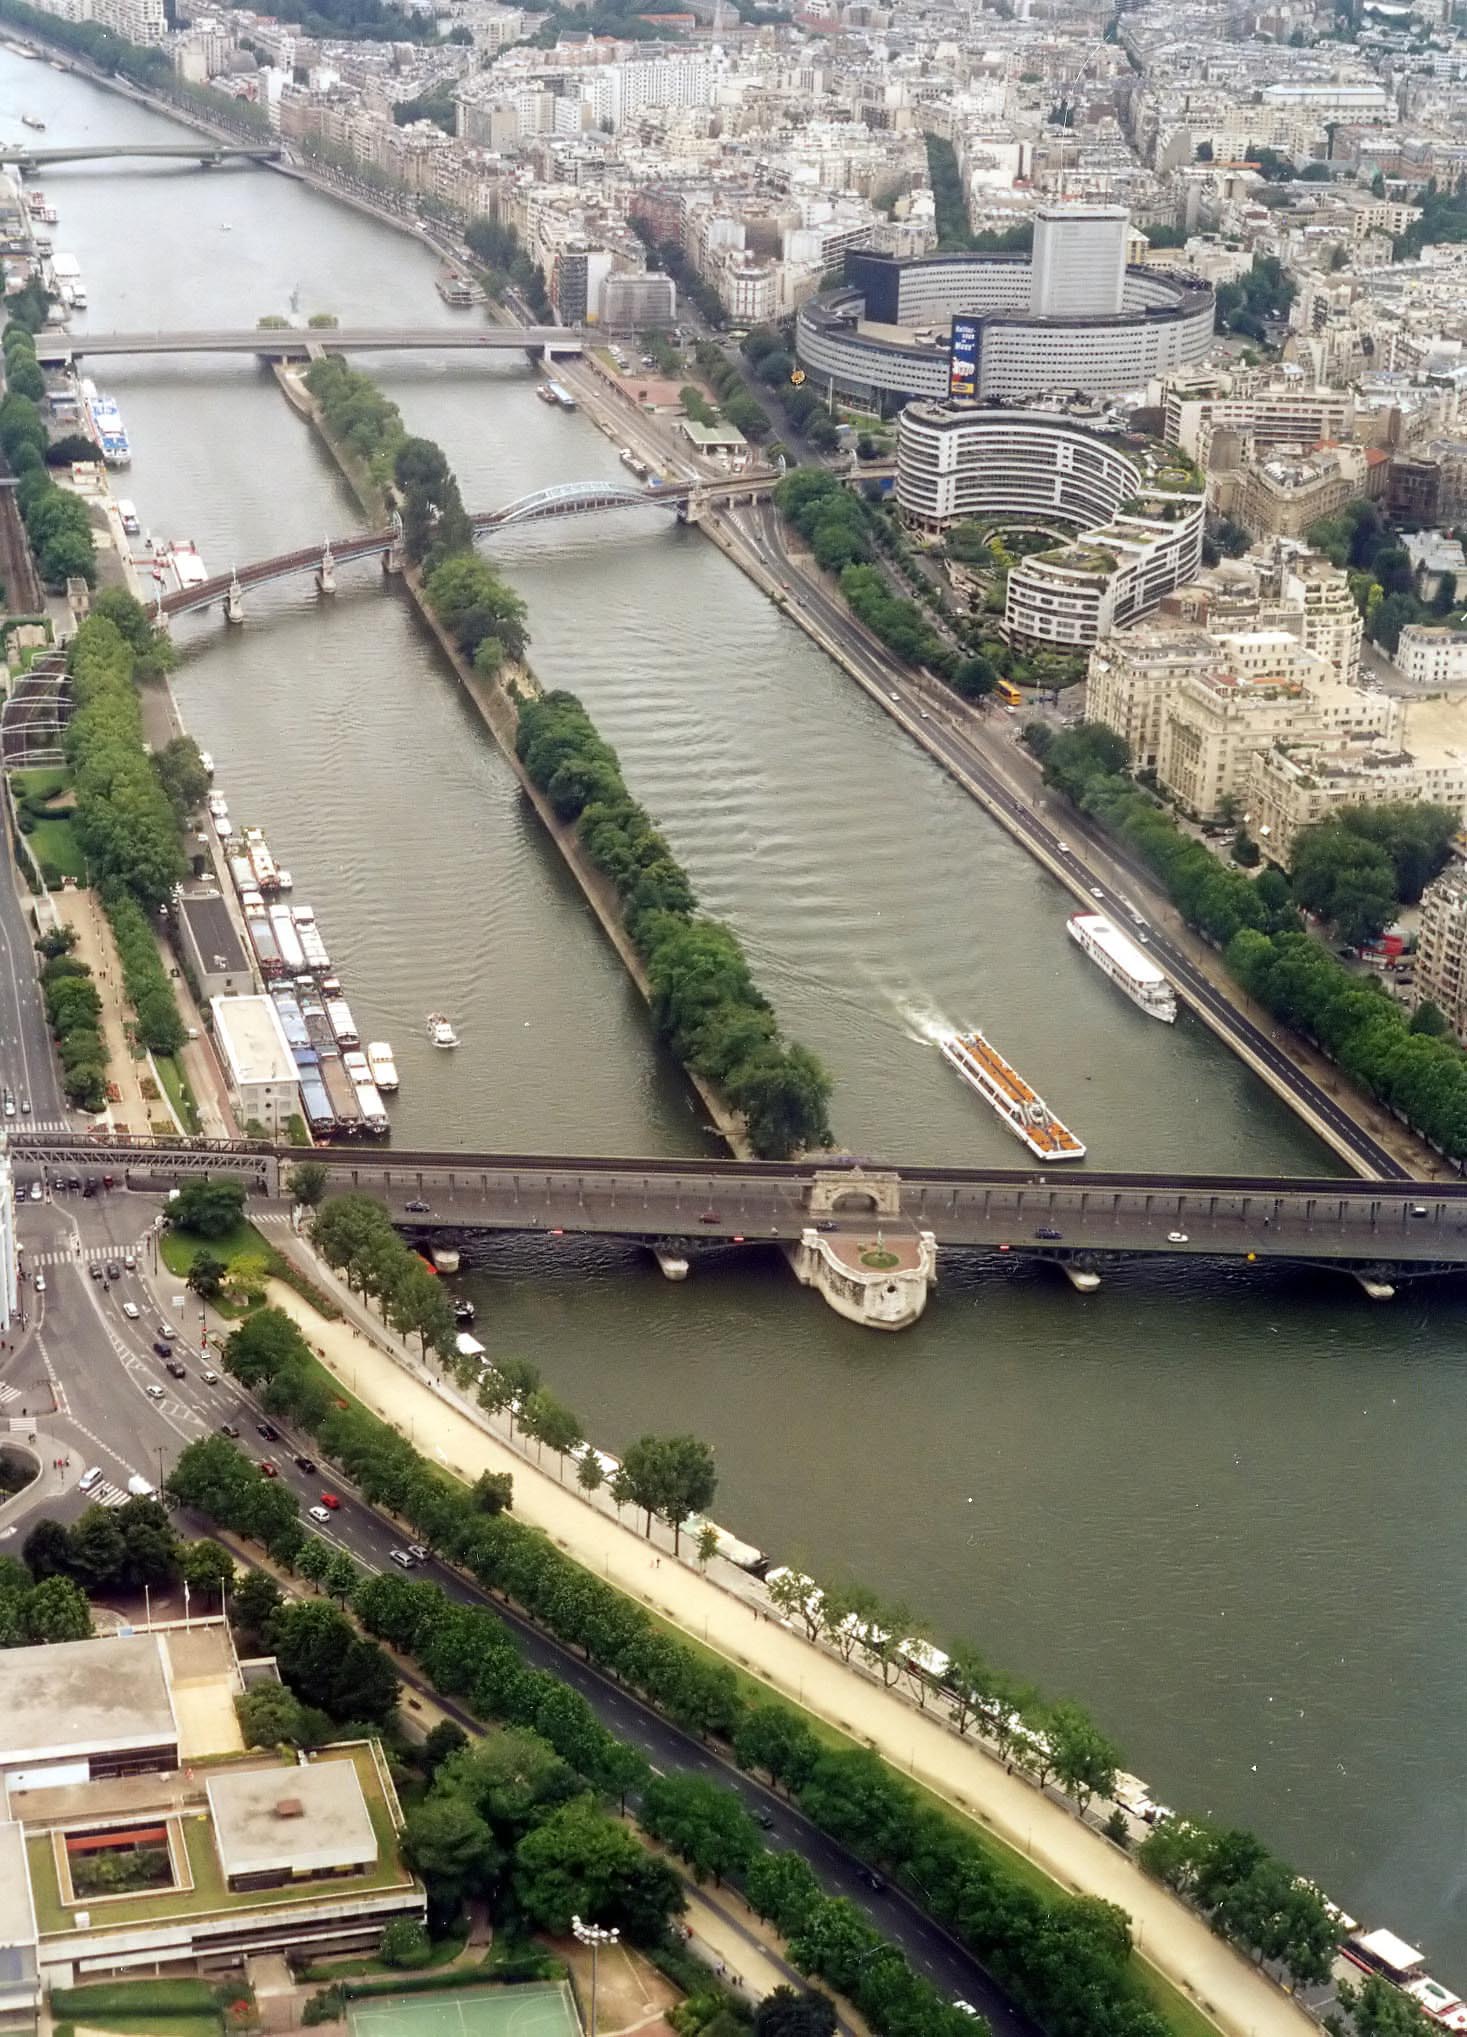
point(154, 1392)
point(318, 1513)
point(131, 1310)
point(89, 1477)
point(40, 1283)
point(1177, 1238)
point(35, 1191)
point(209, 1376)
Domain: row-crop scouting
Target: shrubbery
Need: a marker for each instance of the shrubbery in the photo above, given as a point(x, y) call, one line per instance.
point(704, 998)
point(73, 1009)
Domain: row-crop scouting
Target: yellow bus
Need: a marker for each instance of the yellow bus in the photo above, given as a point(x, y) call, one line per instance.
point(1008, 693)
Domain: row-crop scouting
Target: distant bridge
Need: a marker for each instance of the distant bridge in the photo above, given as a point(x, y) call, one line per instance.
point(572, 498)
point(206, 153)
point(298, 343)
point(1377, 1231)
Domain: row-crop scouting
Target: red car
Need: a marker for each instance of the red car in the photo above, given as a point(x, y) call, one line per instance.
point(329, 1499)
point(267, 1469)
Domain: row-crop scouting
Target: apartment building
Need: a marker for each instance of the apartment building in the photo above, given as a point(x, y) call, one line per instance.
point(1441, 954)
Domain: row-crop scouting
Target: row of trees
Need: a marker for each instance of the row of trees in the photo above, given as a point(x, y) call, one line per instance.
point(807, 411)
point(364, 423)
point(73, 1012)
point(483, 615)
point(496, 244)
point(1246, 1895)
point(124, 819)
point(705, 1002)
point(354, 1234)
point(1047, 1740)
point(1421, 1077)
point(144, 977)
point(57, 523)
point(1069, 1973)
point(739, 407)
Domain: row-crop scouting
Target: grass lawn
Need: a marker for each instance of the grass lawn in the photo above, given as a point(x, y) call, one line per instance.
point(181, 1248)
point(180, 1095)
point(54, 845)
point(42, 784)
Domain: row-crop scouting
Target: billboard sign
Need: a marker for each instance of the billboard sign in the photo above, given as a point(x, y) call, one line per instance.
point(963, 358)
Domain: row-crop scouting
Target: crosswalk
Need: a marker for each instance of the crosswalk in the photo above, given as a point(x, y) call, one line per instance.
point(105, 1494)
point(8, 1394)
point(95, 1254)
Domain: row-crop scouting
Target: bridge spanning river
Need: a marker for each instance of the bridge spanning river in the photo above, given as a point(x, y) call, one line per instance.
point(298, 343)
point(1382, 1231)
point(205, 153)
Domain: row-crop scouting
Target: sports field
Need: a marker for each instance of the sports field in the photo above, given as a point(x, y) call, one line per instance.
point(543, 2009)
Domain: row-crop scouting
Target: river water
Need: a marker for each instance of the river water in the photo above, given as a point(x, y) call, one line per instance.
point(1222, 1510)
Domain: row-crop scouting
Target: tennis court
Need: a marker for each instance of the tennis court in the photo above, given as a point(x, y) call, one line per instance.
point(540, 2009)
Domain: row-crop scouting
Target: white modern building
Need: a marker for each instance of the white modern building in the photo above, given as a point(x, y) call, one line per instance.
point(1079, 264)
point(885, 335)
point(263, 1078)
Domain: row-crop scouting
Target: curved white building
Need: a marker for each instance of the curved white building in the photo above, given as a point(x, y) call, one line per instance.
point(1138, 508)
point(885, 335)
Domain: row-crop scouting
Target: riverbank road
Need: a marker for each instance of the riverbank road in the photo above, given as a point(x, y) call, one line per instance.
point(1243, 2002)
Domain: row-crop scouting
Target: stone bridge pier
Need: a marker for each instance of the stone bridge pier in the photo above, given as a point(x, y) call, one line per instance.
point(862, 1256)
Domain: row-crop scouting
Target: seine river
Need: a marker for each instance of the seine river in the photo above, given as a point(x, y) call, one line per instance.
point(1223, 1511)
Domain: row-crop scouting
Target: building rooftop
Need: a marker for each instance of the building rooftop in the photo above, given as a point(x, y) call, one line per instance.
point(252, 1040)
point(214, 932)
point(303, 1820)
point(83, 1697)
point(17, 1916)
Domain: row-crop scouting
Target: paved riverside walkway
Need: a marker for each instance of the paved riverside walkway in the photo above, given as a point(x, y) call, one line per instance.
point(1243, 2001)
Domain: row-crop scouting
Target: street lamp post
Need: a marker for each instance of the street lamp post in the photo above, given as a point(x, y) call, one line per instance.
point(594, 1935)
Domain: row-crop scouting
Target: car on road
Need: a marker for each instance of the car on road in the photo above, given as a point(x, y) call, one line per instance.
point(893, 696)
point(401, 1558)
point(418, 1551)
point(131, 1310)
point(1177, 1238)
point(764, 1819)
point(417, 1206)
point(209, 1376)
point(709, 1216)
point(1063, 847)
point(1096, 892)
point(40, 1283)
point(318, 1513)
point(25, 1106)
point(176, 1369)
point(114, 1271)
point(9, 1105)
point(964, 2008)
point(872, 1879)
point(1419, 1209)
point(89, 1477)
point(229, 1429)
point(827, 1224)
point(330, 1500)
point(96, 1271)
point(268, 1431)
point(167, 1332)
point(1048, 1231)
point(35, 1191)
point(267, 1469)
point(154, 1392)
point(306, 1464)
point(163, 1350)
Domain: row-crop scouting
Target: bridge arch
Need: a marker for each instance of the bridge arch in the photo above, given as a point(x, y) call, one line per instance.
point(579, 498)
point(854, 1189)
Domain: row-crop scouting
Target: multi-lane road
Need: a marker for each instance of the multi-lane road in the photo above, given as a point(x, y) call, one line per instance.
point(123, 1413)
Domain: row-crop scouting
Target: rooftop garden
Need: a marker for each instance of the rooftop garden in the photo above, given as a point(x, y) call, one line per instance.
point(209, 1892)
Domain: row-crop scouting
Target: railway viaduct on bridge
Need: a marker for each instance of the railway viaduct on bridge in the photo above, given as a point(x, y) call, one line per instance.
point(868, 1238)
point(687, 499)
